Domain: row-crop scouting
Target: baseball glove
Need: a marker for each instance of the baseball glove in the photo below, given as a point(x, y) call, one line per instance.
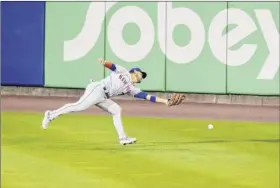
point(176, 99)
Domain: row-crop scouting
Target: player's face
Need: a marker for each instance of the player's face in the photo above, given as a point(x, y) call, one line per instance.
point(138, 76)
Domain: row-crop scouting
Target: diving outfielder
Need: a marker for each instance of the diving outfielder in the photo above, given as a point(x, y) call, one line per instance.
point(119, 82)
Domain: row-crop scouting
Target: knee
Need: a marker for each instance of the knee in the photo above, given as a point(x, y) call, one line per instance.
point(115, 109)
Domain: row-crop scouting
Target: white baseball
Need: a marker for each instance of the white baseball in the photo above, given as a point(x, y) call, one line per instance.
point(210, 126)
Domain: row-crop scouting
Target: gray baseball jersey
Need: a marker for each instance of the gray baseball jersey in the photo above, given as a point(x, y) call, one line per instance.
point(119, 82)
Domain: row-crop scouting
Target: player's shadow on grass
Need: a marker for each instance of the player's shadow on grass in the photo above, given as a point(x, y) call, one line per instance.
point(176, 146)
point(217, 141)
point(222, 141)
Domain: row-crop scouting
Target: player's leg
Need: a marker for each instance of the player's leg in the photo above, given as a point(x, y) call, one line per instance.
point(93, 94)
point(115, 110)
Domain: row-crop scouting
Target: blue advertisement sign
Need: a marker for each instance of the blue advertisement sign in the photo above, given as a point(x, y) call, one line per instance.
point(22, 43)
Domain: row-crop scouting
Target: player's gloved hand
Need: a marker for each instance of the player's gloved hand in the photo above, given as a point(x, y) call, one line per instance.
point(176, 99)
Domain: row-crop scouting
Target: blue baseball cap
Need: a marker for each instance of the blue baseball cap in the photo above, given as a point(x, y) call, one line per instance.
point(144, 74)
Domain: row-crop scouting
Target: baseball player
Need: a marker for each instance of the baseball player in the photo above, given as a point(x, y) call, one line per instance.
point(99, 93)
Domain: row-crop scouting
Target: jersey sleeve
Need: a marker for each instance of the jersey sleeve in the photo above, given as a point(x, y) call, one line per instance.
point(134, 91)
point(121, 69)
point(115, 68)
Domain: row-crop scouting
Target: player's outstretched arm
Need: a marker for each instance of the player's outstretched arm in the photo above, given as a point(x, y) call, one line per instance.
point(152, 98)
point(108, 64)
point(112, 66)
point(175, 98)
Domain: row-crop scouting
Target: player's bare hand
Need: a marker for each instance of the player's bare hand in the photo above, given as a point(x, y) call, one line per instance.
point(101, 61)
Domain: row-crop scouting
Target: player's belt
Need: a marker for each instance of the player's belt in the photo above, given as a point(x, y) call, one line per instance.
point(106, 92)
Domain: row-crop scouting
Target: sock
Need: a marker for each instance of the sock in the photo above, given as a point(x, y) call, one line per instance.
point(118, 125)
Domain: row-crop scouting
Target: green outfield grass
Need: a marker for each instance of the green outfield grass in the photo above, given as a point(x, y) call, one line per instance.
point(82, 151)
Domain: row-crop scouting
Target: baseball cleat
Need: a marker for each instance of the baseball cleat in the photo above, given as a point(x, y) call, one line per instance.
point(46, 120)
point(127, 140)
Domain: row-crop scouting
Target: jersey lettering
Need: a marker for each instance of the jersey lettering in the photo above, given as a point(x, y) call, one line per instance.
point(119, 83)
point(123, 79)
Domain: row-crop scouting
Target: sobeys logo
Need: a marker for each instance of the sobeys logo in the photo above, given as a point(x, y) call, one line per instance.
point(79, 46)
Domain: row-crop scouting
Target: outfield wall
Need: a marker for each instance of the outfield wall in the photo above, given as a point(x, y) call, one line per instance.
point(193, 47)
point(261, 101)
